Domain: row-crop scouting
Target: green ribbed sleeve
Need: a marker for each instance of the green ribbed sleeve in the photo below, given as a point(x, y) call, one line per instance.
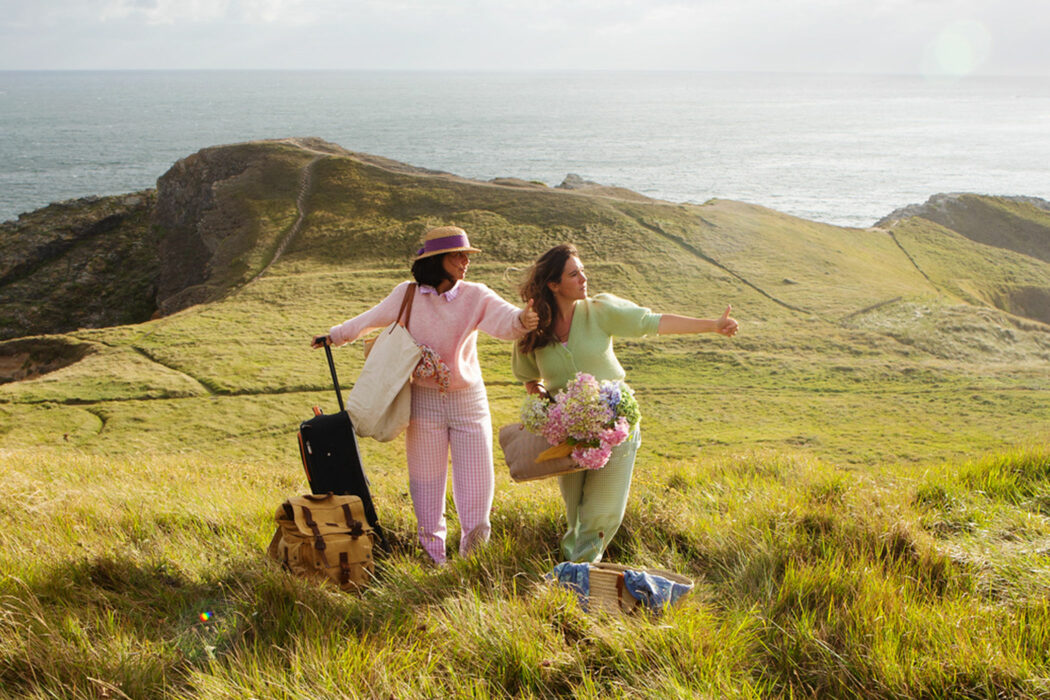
point(620, 317)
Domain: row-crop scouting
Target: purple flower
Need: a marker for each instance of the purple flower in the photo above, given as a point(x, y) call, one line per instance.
point(610, 392)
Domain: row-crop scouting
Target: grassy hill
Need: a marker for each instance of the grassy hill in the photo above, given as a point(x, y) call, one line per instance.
point(859, 482)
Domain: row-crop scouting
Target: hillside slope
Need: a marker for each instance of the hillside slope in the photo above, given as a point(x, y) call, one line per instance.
point(87, 263)
point(245, 251)
point(1020, 224)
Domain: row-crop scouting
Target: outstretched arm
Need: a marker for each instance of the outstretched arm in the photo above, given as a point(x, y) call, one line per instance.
point(501, 319)
point(671, 324)
point(382, 314)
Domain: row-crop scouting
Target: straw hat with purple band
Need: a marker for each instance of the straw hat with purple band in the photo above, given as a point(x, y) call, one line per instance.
point(444, 239)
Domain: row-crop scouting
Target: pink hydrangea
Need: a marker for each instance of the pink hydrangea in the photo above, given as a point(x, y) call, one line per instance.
point(584, 413)
point(592, 457)
point(611, 437)
point(554, 430)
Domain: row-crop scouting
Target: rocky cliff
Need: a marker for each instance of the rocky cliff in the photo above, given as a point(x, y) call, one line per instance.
point(220, 212)
point(84, 263)
point(105, 261)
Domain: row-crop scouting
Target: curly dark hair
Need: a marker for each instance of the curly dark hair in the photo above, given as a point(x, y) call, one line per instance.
point(431, 271)
point(547, 268)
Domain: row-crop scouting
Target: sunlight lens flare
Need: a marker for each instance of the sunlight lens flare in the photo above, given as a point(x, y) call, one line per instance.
point(958, 50)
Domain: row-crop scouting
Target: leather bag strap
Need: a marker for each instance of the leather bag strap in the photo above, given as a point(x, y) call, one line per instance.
point(319, 543)
point(344, 568)
point(352, 524)
point(406, 305)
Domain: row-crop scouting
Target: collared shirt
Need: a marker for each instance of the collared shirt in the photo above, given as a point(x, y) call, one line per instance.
point(448, 294)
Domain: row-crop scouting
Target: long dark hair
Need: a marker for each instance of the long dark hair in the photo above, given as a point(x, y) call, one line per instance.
point(431, 271)
point(547, 268)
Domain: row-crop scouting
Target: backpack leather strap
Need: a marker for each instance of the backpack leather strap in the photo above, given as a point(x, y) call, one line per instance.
point(619, 590)
point(319, 543)
point(352, 523)
point(344, 568)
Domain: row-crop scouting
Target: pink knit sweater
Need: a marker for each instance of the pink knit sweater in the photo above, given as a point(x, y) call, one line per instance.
point(448, 323)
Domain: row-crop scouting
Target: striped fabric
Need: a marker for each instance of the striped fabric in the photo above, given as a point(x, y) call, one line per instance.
point(456, 423)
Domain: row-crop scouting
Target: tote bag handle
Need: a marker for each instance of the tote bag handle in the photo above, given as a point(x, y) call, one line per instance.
point(406, 306)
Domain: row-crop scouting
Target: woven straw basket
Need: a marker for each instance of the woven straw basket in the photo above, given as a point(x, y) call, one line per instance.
point(608, 592)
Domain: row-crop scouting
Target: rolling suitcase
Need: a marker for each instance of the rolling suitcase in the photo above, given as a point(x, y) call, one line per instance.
point(331, 458)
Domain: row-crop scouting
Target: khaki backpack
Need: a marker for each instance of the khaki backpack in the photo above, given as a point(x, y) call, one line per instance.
point(325, 537)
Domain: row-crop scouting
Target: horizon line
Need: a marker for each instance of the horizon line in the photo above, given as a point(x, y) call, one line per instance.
point(491, 71)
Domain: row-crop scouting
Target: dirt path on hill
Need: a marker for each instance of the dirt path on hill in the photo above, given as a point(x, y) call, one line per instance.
point(655, 228)
point(904, 250)
point(306, 183)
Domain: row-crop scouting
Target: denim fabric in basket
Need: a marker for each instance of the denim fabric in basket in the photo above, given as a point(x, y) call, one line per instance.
point(653, 591)
point(575, 577)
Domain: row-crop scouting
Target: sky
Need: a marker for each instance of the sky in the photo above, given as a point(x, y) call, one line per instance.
point(931, 37)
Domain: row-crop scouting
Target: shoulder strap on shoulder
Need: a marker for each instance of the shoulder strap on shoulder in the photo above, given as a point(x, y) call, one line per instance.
point(406, 305)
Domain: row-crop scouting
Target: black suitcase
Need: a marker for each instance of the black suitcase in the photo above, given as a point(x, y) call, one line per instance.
point(328, 446)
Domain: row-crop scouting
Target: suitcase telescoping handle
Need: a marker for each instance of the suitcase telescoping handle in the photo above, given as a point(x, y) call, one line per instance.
point(335, 378)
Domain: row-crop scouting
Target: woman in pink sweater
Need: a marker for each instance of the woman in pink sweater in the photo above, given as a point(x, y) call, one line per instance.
point(450, 411)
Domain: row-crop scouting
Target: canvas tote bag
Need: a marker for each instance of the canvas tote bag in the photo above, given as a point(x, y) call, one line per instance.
point(380, 403)
point(520, 449)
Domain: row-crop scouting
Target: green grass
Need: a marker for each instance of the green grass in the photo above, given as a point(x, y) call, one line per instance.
point(859, 482)
point(835, 552)
point(811, 580)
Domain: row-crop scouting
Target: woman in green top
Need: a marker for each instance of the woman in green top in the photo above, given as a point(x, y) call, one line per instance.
point(575, 335)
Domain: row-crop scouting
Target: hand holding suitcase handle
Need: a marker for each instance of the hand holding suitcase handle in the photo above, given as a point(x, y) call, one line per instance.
point(325, 341)
point(335, 379)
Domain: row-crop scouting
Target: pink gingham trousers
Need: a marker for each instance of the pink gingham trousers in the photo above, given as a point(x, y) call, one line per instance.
point(456, 422)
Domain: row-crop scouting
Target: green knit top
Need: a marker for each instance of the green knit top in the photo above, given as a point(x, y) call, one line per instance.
point(595, 321)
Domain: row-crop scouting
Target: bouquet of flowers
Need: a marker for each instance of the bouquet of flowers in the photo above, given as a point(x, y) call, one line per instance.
point(586, 420)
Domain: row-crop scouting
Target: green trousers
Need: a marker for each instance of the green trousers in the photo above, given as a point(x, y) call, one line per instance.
point(595, 500)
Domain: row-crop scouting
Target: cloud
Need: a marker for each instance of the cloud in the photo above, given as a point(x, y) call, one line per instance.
point(296, 12)
point(164, 11)
point(954, 37)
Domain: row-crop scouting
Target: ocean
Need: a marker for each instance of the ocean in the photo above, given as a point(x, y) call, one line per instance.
point(839, 149)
